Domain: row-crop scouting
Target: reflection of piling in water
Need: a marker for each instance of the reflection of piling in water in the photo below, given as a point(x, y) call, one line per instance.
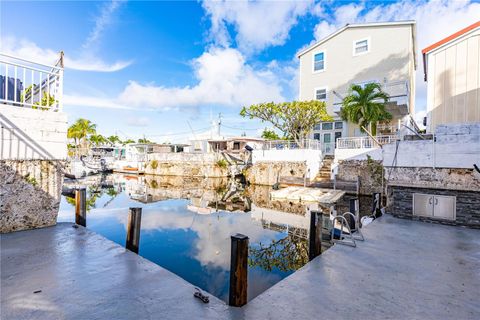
point(133, 229)
point(238, 270)
point(81, 206)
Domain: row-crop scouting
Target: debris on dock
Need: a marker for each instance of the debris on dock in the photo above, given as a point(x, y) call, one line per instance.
point(321, 195)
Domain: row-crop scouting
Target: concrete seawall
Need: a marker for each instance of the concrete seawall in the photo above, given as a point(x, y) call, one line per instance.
point(186, 165)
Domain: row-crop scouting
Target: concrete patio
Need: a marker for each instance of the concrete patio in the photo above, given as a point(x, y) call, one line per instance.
point(405, 270)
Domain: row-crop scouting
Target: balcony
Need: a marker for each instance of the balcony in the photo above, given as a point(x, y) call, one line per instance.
point(398, 104)
point(29, 84)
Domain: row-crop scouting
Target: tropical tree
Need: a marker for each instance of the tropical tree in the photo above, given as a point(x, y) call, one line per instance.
point(268, 134)
point(294, 119)
point(114, 139)
point(81, 130)
point(73, 133)
point(144, 140)
point(124, 142)
point(97, 139)
point(365, 106)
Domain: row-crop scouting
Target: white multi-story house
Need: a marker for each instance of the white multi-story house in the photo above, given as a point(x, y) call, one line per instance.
point(359, 54)
point(452, 72)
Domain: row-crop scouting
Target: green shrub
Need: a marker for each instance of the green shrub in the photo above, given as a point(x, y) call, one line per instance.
point(222, 163)
point(31, 180)
point(154, 164)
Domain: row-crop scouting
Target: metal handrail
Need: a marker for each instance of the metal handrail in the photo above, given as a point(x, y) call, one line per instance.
point(355, 232)
point(28, 85)
point(343, 223)
point(29, 61)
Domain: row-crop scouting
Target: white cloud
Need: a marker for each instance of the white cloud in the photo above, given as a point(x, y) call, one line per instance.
point(224, 78)
point(29, 50)
point(85, 60)
point(82, 100)
point(435, 21)
point(258, 24)
point(101, 22)
point(138, 121)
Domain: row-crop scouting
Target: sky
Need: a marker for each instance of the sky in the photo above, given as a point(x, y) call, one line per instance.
point(166, 69)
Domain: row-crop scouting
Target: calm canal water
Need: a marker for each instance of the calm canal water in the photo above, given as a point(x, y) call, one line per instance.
point(186, 226)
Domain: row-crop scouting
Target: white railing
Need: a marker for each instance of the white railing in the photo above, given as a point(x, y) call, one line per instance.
point(397, 90)
point(364, 142)
point(29, 84)
point(291, 144)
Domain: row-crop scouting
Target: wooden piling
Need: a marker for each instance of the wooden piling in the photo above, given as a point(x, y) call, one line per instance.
point(376, 204)
point(315, 237)
point(354, 209)
point(238, 270)
point(133, 229)
point(81, 206)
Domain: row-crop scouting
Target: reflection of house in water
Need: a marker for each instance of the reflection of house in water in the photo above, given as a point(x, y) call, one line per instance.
point(296, 225)
point(281, 221)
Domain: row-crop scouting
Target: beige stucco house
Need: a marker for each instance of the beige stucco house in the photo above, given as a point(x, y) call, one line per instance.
point(452, 72)
point(359, 54)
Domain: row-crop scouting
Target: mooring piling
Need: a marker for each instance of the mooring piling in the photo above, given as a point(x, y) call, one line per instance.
point(315, 237)
point(133, 229)
point(355, 210)
point(81, 206)
point(238, 270)
point(376, 203)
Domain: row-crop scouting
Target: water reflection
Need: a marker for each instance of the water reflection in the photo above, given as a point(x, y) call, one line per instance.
point(187, 224)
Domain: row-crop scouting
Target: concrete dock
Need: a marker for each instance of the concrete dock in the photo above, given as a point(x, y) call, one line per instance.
point(404, 270)
point(316, 195)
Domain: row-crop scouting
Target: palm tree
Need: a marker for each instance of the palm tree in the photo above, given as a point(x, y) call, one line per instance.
point(86, 128)
point(365, 106)
point(144, 140)
point(114, 140)
point(124, 142)
point(97, 139)
point(73, 132)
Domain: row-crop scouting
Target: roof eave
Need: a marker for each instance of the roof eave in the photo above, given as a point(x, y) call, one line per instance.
point(357, 25)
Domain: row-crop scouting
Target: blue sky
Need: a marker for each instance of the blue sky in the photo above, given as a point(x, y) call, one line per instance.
point(162, 69)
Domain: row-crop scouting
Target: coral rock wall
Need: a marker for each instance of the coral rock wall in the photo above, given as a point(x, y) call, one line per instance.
point(30, 193)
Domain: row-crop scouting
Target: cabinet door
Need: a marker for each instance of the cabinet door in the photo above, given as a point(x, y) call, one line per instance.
point(423, 205)
point(444, 207)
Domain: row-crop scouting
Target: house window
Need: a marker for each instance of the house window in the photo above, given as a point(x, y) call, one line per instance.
point(339, 125)
point(361, 46)
point(316, 136)
point(236, 146)
point(317, 126)
point(319, 61)
point(327, 126)
point(321, 94)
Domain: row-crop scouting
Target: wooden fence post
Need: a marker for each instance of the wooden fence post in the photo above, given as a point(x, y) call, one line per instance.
point(133, 229)
point(81, 206)
point(315, 238)
point(238, 270)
